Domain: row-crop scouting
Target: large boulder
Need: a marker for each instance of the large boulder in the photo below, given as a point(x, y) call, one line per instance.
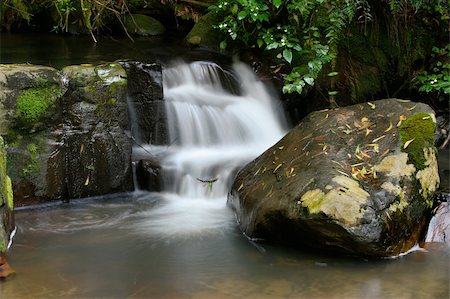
point(358, 179)
point(6, 212)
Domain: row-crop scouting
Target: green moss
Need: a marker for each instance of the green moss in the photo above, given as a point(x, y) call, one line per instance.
point(9, 194)
point(416, 134)
point(32, 166)
point(33, 103)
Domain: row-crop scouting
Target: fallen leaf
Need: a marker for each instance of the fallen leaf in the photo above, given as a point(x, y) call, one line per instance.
point(401, 119)
point(426, 117)
point(87, 181)
point(341, 172)
point(240, 187)
point(412, 108)
point(278, 167)
point(368, 131)
point(389, 128)
point(407, 143)
point(403, 101)
point(378, 139)
point(371, 105)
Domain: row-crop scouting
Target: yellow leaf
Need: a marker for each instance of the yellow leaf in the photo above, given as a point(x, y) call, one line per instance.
point(341, 172)
point(371, 105)
point(354, 175)
point(281, 147)
point(368, 131)
point(240, 187)
point(426, 117)
point(412, 108)
point(364, 154)
point(87, 181)
point(403, 101)
point(407, 143)
point(378, 139)
point(82, 148)
point(358, 164)
point(401, 119)
point(278, 167)
point(389, 128)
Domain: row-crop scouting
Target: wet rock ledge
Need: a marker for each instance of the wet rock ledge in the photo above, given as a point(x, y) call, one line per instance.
point(67, 131)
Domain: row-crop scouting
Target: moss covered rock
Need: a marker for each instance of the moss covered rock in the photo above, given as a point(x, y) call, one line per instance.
point(204, 34)
point(66, 131)
point(6, 205)
point(28, 96)
point(358, 179)
point(143, 25)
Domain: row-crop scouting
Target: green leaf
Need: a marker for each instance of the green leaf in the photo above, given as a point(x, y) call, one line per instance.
point(309, 81)
point(242, 14)
point(234, 9)
point(332, 93)
point(332, 74)
point(287, 55)
point(223, 45)
point(260, 42)
point(277, 3)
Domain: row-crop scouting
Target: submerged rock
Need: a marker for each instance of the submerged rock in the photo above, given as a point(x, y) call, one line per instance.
point(358, 179)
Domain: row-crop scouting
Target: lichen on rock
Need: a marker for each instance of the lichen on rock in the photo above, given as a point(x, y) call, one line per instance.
point(343, 202)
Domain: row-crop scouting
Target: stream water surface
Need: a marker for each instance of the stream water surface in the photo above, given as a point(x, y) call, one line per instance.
point(184, 242)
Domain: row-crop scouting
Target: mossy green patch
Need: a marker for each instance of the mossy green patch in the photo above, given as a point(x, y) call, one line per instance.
point(32, 166)
point(416, 134)
point(9, 194)
point(33, 103)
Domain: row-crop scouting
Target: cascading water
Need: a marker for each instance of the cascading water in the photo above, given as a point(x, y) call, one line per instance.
point(214, 130)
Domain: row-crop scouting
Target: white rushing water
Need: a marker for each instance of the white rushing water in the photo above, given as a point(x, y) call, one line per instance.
point(213, 132)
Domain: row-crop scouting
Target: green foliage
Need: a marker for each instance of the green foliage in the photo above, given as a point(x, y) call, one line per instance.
point(436, 81)
point(304, 35)
point(32, 166)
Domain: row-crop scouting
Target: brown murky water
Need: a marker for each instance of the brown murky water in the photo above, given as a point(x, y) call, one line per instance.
point(117, 248)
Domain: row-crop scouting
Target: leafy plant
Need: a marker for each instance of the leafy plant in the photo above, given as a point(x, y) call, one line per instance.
point(303, 35)
point(437, 80)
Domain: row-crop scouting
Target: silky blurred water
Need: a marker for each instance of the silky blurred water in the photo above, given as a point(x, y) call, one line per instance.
point(112, 247)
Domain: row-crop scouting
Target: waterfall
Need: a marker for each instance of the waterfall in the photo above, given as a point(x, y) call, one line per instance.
point(218, 121)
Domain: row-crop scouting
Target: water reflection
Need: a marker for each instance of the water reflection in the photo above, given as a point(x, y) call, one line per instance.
point(104, 248)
